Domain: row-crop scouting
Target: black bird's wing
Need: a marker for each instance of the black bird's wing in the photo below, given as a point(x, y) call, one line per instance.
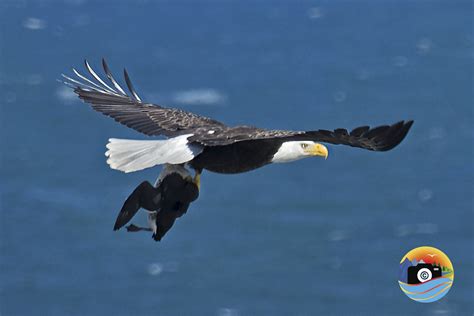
point(145, 195)
point(153, 120)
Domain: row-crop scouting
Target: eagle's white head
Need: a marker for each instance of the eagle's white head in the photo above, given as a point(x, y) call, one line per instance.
point(294, 150)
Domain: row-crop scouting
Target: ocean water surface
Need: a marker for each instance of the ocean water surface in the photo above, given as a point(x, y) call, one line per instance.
point(313, 237)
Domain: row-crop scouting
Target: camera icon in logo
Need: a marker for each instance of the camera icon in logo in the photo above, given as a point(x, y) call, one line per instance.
point(425, 274)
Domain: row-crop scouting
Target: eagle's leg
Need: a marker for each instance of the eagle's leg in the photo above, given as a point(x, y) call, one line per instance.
point(197, 178)
point(133, 228)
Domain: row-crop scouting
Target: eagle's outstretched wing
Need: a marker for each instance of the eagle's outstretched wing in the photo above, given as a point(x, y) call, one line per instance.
point(380, 138)
point(130, 110)
point(154, 120)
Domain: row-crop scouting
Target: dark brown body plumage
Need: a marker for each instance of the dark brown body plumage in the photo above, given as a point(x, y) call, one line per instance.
point(238, 157)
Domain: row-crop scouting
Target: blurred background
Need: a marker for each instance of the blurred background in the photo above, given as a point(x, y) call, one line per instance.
point(306, 238)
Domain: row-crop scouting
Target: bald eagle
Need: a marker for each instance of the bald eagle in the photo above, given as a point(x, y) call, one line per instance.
point(200, 143)
point(203, 143)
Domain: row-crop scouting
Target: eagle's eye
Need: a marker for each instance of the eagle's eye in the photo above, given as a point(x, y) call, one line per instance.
point(304, 146)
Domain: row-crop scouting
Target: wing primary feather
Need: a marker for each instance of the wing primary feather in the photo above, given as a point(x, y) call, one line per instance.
point(109, 75)
point(341, 132)
point(356, 132)
point(397, 126)
point(70, 85)
point(87, 80)
point(380, 138)
point(401, 133)
point(394, 135)
point(130, 86)
point(326, 133)
point(92, 72)
point(83, 84)
point(379, 130)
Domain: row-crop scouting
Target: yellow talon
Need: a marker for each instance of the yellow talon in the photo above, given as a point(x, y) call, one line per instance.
point(197, 179)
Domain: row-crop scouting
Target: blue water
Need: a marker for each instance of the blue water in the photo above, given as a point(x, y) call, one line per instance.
point(307, 238)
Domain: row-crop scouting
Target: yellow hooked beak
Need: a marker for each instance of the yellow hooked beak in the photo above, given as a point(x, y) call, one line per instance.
point(318, 150)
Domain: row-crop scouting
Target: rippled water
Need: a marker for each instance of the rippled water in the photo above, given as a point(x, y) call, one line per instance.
point(310, 237)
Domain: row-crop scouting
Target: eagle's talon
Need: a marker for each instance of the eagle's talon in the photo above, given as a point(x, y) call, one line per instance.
point(197, 179)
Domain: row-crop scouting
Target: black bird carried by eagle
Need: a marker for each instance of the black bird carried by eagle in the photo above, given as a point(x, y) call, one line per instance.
point(199, 143)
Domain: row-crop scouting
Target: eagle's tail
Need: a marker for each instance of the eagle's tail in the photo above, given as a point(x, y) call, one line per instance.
point(129, 155)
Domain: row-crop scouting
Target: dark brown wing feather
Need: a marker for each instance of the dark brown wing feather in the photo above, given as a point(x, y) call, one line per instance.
point(154, 120)
point(149, 119)
point(381, 138)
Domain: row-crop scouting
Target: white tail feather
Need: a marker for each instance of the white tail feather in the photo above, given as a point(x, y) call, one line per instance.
point(129, 155)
